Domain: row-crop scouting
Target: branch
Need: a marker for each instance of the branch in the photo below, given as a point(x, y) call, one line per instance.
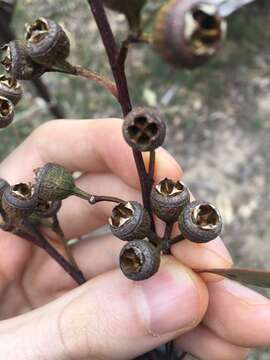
point(119, 75)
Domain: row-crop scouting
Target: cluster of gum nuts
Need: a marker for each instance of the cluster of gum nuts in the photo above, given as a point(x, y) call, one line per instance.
point(144, 130)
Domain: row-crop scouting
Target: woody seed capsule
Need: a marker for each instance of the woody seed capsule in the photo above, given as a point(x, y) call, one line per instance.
point(6, 112)
point(18, 63)
point(47, 43)
point(144, 129)
point(188, 33)
point(139, 260)
point(19, 201)
point(46, 209)
point(10, 89)
point(130, 221)
point(200, 222)
point(168, 198)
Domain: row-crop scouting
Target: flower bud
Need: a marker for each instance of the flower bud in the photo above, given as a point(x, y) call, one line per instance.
point(168, 198)
point(144, 129)
point(188, 33)
point(54, 182)
point(130, 221)
point(19, 201)
point(10, 89)
point(47, 209)
point(139, 260)
point(18, 63)
point(47, 43)
point(6, 112)
point(200, 222)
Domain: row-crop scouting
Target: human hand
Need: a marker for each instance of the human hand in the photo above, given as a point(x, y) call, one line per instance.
point(111, 317)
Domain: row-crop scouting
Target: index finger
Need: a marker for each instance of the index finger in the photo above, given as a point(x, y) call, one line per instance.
point(95, 146)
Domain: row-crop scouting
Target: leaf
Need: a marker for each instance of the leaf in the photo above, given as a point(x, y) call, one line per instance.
point(247, 276)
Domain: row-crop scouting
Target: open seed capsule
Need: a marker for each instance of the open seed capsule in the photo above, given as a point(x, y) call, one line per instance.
point(6, 112)
point(18, 63)
point(188, 33)
point(10, 89)
point(139, 260)
point(168, 199)
point(130, 221)
point(19, 201)
point(47, 43)
point(47, 209)
point(144, 129)
point(200, 222)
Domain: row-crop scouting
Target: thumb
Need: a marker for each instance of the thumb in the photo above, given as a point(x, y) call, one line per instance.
point(109, 317)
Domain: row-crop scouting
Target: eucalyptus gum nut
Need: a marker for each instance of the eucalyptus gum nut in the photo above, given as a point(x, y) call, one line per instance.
point(47, 43)
point(54, 182)
point(18, 64)
point(48, 208)
point(200, 222)
point(10, 89)
point(130, 221)
point(19, 201)
point(144, 129)
point(168, 198)
point(3, 185)
point(6, 112)
point(139, 260)
point(187, 33)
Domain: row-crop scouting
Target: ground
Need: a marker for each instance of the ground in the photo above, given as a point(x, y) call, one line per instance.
point(218, 116)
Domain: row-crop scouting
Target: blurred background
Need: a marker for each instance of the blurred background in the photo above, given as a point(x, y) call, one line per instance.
point(218, 116)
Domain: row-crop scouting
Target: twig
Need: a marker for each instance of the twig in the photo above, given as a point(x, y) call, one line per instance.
point(29, 232)
point(119, 75)
point(99, 79)
point(56, 227)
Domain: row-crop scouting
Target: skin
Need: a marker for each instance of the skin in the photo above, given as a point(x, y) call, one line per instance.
point(45, 316)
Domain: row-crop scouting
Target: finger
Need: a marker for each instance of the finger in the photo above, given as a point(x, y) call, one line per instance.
point(211, 255)
point(93, 320)
point(84, 145)
point(205, 345)
point(238, 315)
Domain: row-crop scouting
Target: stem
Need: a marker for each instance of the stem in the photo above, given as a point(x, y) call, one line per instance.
point(166, 241)
point(93, 199)
point(99, 79)
point(29, 232)
point(177, 239)
point(56, 227)
point(119, 75)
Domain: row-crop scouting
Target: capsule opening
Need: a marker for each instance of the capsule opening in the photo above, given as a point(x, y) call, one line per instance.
point(143, 131)
point(132, 260)
point(22, 191)
point(37, 31)
point(6, 107)
point(121, 214)
point(204, 29)
point(206, 216)
point(168, 187)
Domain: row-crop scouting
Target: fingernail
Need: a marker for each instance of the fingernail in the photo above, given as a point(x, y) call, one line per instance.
point(170, 301)
point(245, 294)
